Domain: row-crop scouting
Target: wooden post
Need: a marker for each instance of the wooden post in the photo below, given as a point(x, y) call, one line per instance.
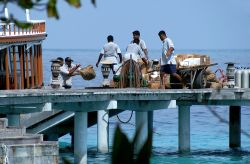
point(14, 29)
point(40, 28)
point(4, 29)
point(21, 65)
point(44, 27)
point(27, 69)
point(35, 69)
point(7, 69)
point(38, 65)
point(14, 62)
point(234, 127)
point(41, 66)
point(32, 68)
point(9, 29)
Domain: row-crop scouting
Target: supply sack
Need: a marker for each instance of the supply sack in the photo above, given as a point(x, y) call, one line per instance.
point(87, 73)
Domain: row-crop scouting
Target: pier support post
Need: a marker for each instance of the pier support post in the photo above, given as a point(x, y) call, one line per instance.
point(184, 128)
point(80, 137)
point(13, 120)
point(103, 131)
point(234, 127)
point(142, 125)
point(150, 120)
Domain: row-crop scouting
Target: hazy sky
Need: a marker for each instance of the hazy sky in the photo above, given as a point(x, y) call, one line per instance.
point(191, 24)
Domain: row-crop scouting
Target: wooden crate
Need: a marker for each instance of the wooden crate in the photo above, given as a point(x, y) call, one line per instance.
point(204, 59)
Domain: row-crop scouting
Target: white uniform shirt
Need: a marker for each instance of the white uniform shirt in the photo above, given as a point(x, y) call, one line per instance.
point(110, 51)
point(134, 50)
point(167, 43)
point(142, 44)
point(65, 78)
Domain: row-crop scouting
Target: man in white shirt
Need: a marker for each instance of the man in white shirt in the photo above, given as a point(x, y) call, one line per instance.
point(134, 50)
point(142, 44)
point(67, 71)
point(168, 63)
point(110, 51)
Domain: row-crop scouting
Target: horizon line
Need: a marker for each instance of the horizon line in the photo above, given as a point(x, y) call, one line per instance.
point(91, 49)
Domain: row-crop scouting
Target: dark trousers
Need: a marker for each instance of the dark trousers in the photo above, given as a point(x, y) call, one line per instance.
point(67, 86)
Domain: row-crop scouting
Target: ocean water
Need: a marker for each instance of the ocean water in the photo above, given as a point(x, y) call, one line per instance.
point(209, 135)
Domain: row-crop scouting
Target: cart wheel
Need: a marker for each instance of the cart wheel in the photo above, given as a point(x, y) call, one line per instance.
point(200, 80)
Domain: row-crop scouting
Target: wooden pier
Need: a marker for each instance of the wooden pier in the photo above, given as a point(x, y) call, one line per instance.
point(142, 101)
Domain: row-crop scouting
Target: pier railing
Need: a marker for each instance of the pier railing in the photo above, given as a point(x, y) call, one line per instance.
point(11, 29)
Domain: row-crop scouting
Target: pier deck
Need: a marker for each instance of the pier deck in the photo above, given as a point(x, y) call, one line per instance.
point(198, 96)
point(142, 101)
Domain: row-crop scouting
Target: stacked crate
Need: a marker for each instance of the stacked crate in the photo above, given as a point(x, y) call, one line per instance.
point(203, 59)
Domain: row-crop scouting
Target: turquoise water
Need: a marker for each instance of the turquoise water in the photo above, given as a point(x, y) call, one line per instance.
point(209, 135)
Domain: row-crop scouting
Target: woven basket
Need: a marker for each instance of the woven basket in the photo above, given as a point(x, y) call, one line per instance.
point(211, 77)
point(154, 85)
point(87, 73)
point(215, 85)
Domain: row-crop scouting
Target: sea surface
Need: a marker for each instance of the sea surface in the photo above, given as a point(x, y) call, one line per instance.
point(209, 134)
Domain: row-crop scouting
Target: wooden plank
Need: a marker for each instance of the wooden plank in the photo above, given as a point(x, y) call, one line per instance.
point(32, 68)
point(7, 78)
point(27, 69)
point(15, 67)
point(21, 65)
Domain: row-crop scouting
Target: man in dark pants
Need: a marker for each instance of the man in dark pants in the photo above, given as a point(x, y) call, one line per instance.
point(168, 63)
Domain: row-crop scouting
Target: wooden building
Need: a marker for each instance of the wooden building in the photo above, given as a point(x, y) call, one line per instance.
point(21, 55)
